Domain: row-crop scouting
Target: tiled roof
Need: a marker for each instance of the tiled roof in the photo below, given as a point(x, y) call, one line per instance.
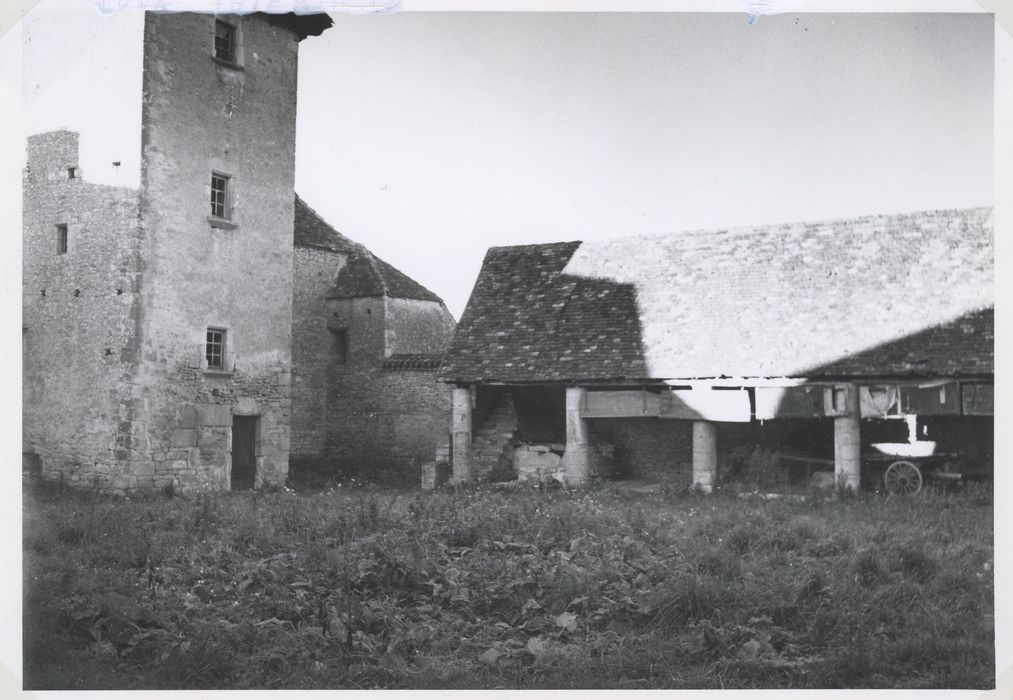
point(311, 230)
point(364, 274)
point(900, 295)
point(419, 362)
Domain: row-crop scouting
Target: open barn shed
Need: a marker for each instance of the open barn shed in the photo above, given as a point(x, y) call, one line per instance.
point(835, 344)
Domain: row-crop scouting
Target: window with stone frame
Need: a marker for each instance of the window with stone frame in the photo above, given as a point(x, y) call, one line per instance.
point(221, 196)
point(214, 348)
point(61, 239)
point(225, 41)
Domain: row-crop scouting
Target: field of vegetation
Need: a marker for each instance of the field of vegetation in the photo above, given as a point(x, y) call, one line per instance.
point(506, 587)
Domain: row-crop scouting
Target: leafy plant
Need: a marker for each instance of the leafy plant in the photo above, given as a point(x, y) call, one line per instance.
point(485, 586)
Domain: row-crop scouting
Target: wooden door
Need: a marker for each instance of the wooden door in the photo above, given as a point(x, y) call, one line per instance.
point(244, 452)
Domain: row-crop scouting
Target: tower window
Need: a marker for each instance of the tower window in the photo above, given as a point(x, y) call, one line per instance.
point(225, 41)
point(221, 207)
point(61, 239)
point(71, 172)
point(214, 349)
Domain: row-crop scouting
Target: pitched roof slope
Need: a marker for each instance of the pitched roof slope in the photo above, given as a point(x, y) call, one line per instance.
point(896, 295)
point(311, 230)
point(364, 274)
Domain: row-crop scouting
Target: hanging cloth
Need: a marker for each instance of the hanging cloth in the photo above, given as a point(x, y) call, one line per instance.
point(878, 401)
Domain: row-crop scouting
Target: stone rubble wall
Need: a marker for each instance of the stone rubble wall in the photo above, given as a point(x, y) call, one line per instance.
point(651, 448)
point(81, 311)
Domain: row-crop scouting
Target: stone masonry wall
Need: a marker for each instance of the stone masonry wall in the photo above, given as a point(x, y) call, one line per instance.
point(350, 415)
point(336, 395)
point(202, 115)
point(650, 447)
point(386, 424)
point(313, 351)
point(415, 326)
point(80, 315)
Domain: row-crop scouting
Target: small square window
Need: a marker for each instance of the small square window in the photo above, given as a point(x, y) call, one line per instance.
point(61, 239)
point(225, 41)
point(214, 349)
point(221, 206)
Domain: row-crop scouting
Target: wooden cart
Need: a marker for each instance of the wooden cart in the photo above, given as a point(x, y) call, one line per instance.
point(905, 476)
point(901, 475)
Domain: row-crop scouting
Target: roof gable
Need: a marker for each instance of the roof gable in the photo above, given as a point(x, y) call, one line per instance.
point(364, 274)
point(838, 298)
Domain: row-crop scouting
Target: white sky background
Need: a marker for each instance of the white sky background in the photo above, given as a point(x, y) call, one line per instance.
point(430, 137)
point(82, 72)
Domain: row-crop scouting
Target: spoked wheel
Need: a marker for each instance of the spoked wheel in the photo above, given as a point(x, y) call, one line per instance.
point(903, 478)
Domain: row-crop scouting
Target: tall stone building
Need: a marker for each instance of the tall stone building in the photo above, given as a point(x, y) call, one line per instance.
point(158, 313)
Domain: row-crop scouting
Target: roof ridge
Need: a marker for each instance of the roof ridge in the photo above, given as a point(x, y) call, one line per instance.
point(765, 228)
point(760, 228)
point(364, 269)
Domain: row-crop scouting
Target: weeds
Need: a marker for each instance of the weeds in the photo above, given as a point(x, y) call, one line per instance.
point(491, 587)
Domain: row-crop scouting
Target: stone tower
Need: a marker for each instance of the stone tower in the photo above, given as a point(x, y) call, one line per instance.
point(157, 318)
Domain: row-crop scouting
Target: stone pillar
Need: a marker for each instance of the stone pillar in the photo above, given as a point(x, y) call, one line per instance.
point(461, 431)
point(847, 443)
point(705, 455)
point(576, 458)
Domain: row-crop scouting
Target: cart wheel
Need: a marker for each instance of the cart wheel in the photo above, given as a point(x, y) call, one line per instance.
point(903, 478)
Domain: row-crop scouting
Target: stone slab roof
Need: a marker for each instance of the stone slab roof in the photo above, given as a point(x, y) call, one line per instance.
point(888, 296)
point(364, 274)
point(311, 230)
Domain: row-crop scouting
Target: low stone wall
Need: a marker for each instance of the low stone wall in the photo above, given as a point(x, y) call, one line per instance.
point(648, 447)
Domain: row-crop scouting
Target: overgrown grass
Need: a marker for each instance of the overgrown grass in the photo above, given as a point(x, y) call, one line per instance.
point(511, 587)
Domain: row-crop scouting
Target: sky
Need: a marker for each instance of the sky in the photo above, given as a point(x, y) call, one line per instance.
point(82, 71)
point(430, 137)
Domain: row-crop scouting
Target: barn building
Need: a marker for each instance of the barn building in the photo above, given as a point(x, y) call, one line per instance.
point(655, 355)
point(159, 330)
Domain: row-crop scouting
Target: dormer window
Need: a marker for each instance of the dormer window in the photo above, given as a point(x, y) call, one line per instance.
point(225, 41)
